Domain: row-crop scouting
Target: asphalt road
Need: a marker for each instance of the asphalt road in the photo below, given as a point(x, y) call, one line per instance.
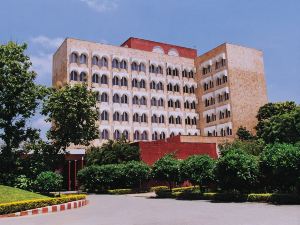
point(133, 210)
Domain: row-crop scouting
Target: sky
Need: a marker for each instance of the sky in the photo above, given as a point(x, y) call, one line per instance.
point(272, 26)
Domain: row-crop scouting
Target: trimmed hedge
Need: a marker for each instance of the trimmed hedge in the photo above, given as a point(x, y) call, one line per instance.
point(12, 207)
point(120, 191)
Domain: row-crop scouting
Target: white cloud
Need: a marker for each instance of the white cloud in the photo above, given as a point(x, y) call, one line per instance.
point(42, 64)
point(47, 42)
point(101, 5)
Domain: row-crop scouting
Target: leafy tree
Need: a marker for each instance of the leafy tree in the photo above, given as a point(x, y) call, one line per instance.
point(73, 113)
point(136, 173)
point(280, 120)
point(48, 181)
point(244, 135)
point(166, 169)
point(237, 170)
point(252, 147)
point(113, 151)
point(198, 169)
point(280, 166)
point(19, 98)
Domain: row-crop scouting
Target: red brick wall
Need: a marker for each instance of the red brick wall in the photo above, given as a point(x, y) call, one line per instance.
point(146, 45)
point(152, 151)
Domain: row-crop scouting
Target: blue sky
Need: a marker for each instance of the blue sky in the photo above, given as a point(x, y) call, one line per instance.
point(268, 25)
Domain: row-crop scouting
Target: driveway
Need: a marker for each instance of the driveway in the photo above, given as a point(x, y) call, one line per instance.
point(140, 210)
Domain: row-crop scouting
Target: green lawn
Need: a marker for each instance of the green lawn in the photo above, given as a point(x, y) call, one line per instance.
point(10, 194)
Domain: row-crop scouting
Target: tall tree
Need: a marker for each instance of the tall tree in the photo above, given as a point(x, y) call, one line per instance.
point(73, 113)
point(19, 98)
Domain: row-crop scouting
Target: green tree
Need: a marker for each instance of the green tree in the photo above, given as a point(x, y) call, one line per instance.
point(198, 169)
point(113, 151)
point(166, 169)
point(136, 173)
point(244, 134)
point(73, 113)
point(252, 147)
point(280, 166)
point(48, 181)
point(237, 170)
point(19, 98)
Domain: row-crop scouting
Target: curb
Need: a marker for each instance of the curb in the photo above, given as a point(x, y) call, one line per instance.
point(49, 209)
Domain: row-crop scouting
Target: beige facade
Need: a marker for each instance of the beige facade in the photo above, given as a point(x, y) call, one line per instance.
point(150, 95)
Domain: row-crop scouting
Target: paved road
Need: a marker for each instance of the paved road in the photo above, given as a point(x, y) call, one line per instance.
point(133, 210)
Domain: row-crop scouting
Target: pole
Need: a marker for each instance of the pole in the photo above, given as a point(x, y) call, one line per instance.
point(75, 162)
point(69, 175)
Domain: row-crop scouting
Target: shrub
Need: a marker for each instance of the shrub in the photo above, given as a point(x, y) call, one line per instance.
point(120, 191)
point(198, 169)
point(154, 189)
point(89, 179)
point(237, 170)
point(166, 169)
point(163, 193)
point(280, 166)
point(136, 173)
point(48, 181)
point(266, 197)
point(12, 207)
point(23, 182)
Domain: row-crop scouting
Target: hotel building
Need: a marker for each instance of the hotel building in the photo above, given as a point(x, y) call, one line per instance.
point(149, 90)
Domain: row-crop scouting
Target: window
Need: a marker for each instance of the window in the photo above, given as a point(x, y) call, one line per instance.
point(104, 115)
point(175, 72)
point(194, 121)
point(83, 77)
point(115, 64)
point(142, 67)
point(153, 101)
point(193, 105)
point(188, 120)
point(170, 87)
point(154, 136)
point(191, 74)
point(192, 89)
point(103, 62)
point(160, 102)
point(152, 69)
point(115, 80)
point(83, 59)
point(124, 116)
point(185, 89)
point(142, 84)
point(144, 118)
point(95, 60)
point(161, 119)
point(162, 135)
point(176, 88)
point(159, 70)
point(152, 85)
point(169, 71)
point(144, 135)
point(154, 119)
point(178, 120)
point(170, 103)
point(136, 135)
point(184, 73)
point(123, 64)
point(171, 120)
point(104, 97)
point(124, 99)
point(74, 75)
point(117, 135)
point(134, 66)
point(116, 116)
point(160, 86)
point(116, 98)
point(104, 79)
point(135, 83)
point(124, 82)
point(135, 100)
point(74, 57)
point(172, 134)
point(206, 70)
point(136, 117)
point(105, 134)
point(95, 78)
point(177, 104)
point(143, 100)
point(186, 105)
point(125, 134)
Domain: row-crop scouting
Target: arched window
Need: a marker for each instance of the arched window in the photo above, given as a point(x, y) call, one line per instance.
point(160, 86)
point(177, 104)
point(192, 89)
point(170, 87)
point(186, 105)
point(159, 70)
point(153, 101)
point(154, 136)
point(162, 135)
point(176, 88)
point(144, 118)
point(160, 102)
point(104, 115)
point(74, 57)
point(117, 135)
point(161, 119)
point(169, 71)
point(136, 135)
point(104, 97)
point(171, 120)
point(144, 135)
point(175, 72)
point(124, 99)
point(116, 98)
point(104, 134)
point(95, 60)
point(194, 121)
point(115, 80)
point(154, 119)
point(185, 89)
point(104, 79)
point(142, 84)
point(124, 82)
point(136, 117)
point(178, 120)
point(83, 77)
point(125, 134)
point(134, 66)
point(172, 134)
point(83, 59)
point(152, 68)
point(123, 64)
point(115, 63)
point(143, 100)
point(135, 83)
point(191, 74)
point(125, 116)
point(116, 116)
point(74, 75)
point(152, 85)
point(193, 105)
point(95, 78)
point(103, 62)
point(135, 100)
point(142, 67)
point(184, 73)
point(188, 120)
point(170, 103)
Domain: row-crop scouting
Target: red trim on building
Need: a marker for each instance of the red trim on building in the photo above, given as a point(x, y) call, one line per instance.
point(147, 45)
point(153, 150)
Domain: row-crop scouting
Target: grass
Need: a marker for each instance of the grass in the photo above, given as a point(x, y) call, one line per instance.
point(10, 194)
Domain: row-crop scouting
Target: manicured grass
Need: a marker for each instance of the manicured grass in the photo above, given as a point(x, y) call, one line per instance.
point(10, 194)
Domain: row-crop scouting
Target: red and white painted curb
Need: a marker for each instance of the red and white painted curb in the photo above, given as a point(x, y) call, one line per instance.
point(49, 209)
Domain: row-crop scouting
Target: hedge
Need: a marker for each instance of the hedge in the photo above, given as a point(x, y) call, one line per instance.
point(120, 191)
point(19, 206)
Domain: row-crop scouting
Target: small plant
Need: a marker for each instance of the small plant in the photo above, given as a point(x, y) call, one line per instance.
point(48, 181)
